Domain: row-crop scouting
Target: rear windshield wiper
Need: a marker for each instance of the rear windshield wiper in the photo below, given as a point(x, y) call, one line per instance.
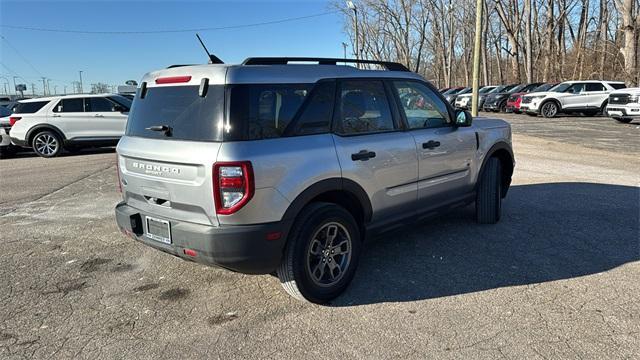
point(163, 128)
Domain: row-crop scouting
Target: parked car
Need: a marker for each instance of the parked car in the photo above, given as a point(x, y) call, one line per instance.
point(451, 96)
point(624, 105)
point(71, 121)
point(497, 101)
point(6, 149)
point(267, 167)
point(586, 97)
point(514, 100)
point(463, 101)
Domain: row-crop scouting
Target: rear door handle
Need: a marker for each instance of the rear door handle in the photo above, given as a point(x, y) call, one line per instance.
point(363, 155)
point(98, 115)
point(431, 144)
point(56, 115)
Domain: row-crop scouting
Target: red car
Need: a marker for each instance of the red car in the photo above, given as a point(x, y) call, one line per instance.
point(513, 102)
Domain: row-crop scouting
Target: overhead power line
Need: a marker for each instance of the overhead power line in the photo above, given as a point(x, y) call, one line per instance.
point(21, 56)
point(203, 29)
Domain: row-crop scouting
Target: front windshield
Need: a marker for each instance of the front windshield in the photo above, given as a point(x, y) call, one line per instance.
point(516, 88)
point(543, 87)
point(486, 89)
point(465, 91)
point(452, 91)
point(560, 87)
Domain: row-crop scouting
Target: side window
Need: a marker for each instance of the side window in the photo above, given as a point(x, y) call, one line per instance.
point(266, 109)
point(99, 104)
point(316, 115)
point(595, 87)
point(422, 108)
point(364, 108)
point(576, 88)
point(69, 105)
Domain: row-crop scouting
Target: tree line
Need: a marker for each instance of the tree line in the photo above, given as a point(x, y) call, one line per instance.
point(522, 40)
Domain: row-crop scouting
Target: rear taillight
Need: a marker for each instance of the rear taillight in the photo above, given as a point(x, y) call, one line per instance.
point(13, 120)
point(233, 186)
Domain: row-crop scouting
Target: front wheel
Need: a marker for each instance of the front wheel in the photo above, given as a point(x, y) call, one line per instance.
point(549, 109)
point(489, 193)
point(47, 144)
point(321, 255)
point(623, 120)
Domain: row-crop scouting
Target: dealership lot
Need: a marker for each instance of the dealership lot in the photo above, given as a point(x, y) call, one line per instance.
point(556, 278)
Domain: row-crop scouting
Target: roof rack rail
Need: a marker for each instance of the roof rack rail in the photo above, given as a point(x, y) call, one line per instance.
point(391, 66)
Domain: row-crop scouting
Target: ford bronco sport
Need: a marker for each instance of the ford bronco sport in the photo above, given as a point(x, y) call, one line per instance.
point(277, 166)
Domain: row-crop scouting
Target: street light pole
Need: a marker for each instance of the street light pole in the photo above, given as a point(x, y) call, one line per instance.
point(14, 84)
point(44, 86)
point(80, 85)
point(476, 59)
point(344, 48)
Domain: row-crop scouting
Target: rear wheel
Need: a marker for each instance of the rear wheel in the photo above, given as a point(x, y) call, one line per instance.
point(47, 144)
point(549, 109)
point(321, 255)
point(489, 194)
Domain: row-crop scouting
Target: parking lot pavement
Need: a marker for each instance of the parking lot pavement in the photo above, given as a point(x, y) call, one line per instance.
point(595, 132)
point(556, 278)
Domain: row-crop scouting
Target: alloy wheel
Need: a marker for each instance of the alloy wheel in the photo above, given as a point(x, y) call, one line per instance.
point(46, 144)
point(329, 254)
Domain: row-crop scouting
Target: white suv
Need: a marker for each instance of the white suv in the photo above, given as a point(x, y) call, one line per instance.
point(624, 105)
point(70, 122)
point(587, 97)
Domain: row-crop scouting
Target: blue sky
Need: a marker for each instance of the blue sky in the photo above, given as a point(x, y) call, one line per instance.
point(114, 59)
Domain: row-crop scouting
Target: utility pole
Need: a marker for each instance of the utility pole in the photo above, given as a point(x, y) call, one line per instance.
point(80, 84)
point(48, 86)
point(476, 58)
point(14, 84)
point(352, 6)
point(44, 86)
point(344, 48)
point(33, 89)
point(65, 89)
point(55, 89)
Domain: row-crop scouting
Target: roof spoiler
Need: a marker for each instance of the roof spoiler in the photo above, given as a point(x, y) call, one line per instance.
point(391, 66)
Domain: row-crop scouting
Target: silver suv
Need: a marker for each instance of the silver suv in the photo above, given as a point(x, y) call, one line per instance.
point(274, 166)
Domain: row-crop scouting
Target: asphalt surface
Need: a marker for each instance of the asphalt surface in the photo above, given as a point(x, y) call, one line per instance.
point(556, 278)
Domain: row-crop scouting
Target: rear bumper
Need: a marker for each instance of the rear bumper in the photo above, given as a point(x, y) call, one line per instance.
point(242, 248)
point(512, 108)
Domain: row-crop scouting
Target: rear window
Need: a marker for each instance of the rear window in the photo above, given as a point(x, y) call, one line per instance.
point(182, 109)
point(29, 107)
point(617, 86)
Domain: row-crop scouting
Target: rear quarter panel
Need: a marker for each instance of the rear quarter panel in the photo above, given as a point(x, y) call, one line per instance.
point(283, 168)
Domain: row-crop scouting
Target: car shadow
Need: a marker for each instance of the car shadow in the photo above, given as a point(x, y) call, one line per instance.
point(548, 232)
point(27, 153)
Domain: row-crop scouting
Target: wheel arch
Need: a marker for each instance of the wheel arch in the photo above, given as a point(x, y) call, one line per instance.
point(556, 101)
point(340, 191)
point(504, 153)
point(43, 127)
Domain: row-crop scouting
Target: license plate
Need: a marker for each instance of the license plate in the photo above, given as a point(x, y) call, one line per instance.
point(158, 230)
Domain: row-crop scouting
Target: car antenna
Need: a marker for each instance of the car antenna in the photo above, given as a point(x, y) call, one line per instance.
point(212, 58)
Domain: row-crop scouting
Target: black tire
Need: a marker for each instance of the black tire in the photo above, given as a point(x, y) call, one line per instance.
point(295, 272)
point(623, 120)
point(549, 109)
point(46, 144)
point(489, 194)
point(502, 107)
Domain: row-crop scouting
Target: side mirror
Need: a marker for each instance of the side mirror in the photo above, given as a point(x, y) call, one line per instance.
point(463, 118)
point(119, 108)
